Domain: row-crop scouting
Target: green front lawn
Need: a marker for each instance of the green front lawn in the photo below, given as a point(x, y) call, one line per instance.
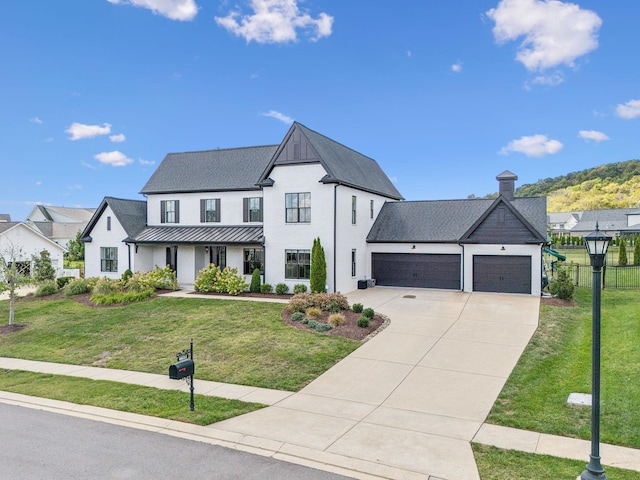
point(557, 362)
point(236, 342)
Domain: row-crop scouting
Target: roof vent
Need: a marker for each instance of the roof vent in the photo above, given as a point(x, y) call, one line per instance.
point(507, 182)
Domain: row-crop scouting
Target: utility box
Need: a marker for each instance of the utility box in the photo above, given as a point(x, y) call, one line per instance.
point(371, 282)
point(181, 369)
point(362, 284)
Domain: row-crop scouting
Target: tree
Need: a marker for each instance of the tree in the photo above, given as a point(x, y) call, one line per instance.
point(622, 253)
point(11, 276)
point(318, 274)
point(636, 250)
point(42, 267)
point(255, 281)
point(75, 249)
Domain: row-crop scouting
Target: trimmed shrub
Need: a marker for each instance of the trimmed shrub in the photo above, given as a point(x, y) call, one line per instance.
point(266, 288)
point(127, 275)
point(622, 253)
point(318, 274)
point(297, 316)
point(304, 321)
point(336, 319)
point(312, 324)
point(162, 278)
point(120, 297)
point(313, 313)
point(368, 312)
point(62, 281)
point(46, 288)
point(255, 281)
point(206, 278)
point(334, 308)
point(323, 327)
point(282, 288)
point(357, 307)
point(230, 282)
point(324, 301)
point(561, 286)
point(76, 286)
point(299, 288)
point(363, 321)
point(106, 286)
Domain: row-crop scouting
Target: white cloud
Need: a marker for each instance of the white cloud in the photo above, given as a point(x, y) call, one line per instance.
point(533, 146)
point(456, 67)
point(172, 9)
point(117, 138)
point(35, 120)
point(115, 158)
point(75, 186)
point(554, 32)
point(551, 80)
point(275, 21)
point(279, 116)
point(80, 130)
point(592, 135)
point(409, 54)
point(146, 162)
point(38, 183)
point(629, 110)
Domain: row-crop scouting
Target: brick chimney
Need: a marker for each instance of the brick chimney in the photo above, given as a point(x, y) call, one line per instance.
point(507, 182)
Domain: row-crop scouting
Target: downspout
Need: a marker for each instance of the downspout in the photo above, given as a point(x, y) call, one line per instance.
point(462, 269)
point(264, 259)
point(129, 254)
point(335, 235)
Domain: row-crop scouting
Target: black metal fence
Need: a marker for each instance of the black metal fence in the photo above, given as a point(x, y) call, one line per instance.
point(612, 276)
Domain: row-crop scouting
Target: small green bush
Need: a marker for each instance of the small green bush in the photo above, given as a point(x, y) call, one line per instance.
point(368, 312)
point(323, 327)
point(363, 321)
point(334, 308)
point(77, 286)
point(62, 281)
point(297, 316)
point(127, 275)
point(357, 307)
point(304, 321)
point(299, 288)
point(312, 324)
point(562, 286)
point(106, 286)
point(46, 288)
point(255, 281)
point(266, 288)
point(336, 319)
point(313, 312)
point(282, 288)
point(120, 297)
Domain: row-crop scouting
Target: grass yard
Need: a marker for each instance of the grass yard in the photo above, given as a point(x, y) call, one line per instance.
point(497, 464)
point(557, 362)
point(245, 343)
point(168, 404)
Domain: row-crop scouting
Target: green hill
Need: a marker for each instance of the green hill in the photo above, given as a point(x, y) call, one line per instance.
point(614, 185)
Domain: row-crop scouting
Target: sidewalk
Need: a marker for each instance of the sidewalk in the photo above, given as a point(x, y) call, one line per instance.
point(399, 407)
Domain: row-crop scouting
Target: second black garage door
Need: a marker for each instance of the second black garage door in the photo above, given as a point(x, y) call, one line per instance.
point(505, 274)
point(416, 270)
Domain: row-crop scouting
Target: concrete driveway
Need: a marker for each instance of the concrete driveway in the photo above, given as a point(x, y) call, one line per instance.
point(407, 403)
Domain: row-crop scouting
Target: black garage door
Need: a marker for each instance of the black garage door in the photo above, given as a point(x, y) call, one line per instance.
point(416, 270)
point(505, 274)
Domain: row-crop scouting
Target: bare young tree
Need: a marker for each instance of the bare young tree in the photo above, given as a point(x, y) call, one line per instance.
point(11, 276)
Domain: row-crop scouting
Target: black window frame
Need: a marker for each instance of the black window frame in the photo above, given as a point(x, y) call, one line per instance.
point(165, 213)
point(210, 210)
point(252, 209)
point(109, 265)
point(354, 209)
point(297, 264)
point(297, 207)
point(371, 209)
point(252, 258)
point(353, 262)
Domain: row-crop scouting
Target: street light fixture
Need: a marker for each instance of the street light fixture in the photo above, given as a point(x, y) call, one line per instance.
point(597, 244)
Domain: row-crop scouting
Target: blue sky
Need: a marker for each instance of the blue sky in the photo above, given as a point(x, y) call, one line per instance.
point(444, 95)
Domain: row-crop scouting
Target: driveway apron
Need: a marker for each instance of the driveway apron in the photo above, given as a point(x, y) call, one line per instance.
point(407, 403)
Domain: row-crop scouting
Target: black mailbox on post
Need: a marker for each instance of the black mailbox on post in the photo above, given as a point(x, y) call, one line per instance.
point(181, 369)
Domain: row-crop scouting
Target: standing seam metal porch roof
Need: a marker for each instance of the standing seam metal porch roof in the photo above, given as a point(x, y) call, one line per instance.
point(239, 235)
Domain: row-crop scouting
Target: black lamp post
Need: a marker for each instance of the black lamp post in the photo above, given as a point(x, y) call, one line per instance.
point(597, 244)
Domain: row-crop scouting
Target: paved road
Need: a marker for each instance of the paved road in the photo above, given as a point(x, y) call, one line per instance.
point(42, 445)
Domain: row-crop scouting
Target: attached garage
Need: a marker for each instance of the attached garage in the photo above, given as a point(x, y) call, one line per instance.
point(417, 270)
point(504, 274)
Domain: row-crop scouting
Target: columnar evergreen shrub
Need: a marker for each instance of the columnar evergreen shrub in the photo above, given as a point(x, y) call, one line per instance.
point(636, 251)
point(255, 281)
point(622, 253)
point(318, 274)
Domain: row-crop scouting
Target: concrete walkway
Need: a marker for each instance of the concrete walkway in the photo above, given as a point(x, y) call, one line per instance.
point(405, 405)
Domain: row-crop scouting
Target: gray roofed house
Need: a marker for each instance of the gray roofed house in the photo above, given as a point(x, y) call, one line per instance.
point(60, 224)
point(611, 220)
point(131, 214)
point(5, 217)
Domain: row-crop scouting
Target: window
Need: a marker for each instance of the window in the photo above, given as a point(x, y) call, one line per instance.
point(297, 264)
point(371, 208)
point(298, 207)
point(170, 211)
point(217, 256)
point(353, 262)
point(252, 209)
point(108, 223)
point(210, 210)
point(108, 259)
point(500, 214)
point(296, 151)
point(253, 258)
point(354, 201)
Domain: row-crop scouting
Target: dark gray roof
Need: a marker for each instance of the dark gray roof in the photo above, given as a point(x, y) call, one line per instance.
point(239, 235)
point(608, 220)
point(131, 214)
point(210, 170)
point(344, 165)
point(446, 221)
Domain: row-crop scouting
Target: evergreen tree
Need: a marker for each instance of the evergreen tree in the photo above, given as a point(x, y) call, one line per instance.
point(255, 281)
point(318, 274)
point(622, 253)
point(42, 267)
point(636, 250)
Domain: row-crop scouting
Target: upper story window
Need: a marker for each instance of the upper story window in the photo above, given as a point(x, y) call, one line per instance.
point(298, 207)
point(210, 210)
point(371, 208)
point(354, 201)
point(108, 223)
point(252, 209)
point(170, 211)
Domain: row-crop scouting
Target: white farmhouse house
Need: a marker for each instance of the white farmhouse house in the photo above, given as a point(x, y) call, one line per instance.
point(262, 207)
point(20, 241)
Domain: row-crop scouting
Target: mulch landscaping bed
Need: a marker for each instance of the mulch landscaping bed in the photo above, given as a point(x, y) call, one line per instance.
point(558, 302)
point(349, 329)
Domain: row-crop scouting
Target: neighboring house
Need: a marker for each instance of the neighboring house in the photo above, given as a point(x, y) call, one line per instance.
point(262, 207)
point(5, 217)
point(60, 224)
point(562, 223)
point(23, 240)
point(615, 222)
